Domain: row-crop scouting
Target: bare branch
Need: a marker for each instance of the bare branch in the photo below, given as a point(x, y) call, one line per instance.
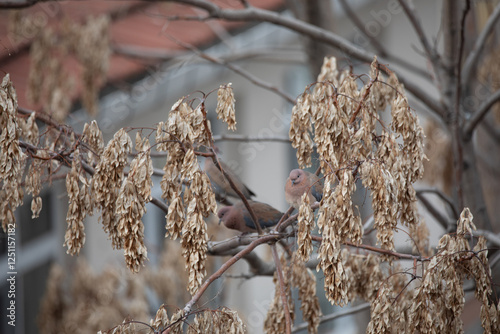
point(333, 316)
point(443, 196)
point(160, 204)
point(431, 53)
point(278, 54)
point(242, 138)
point(309, 30)
point(379, 250)
point(381, 51)
point(357, 22)
point(225, 247)
point(473, 57)
point(224, 268)
point(238, 70)
point(440, 218)
point(480, 113)
point(490, 236)
point(258, 267)
point(20, 4)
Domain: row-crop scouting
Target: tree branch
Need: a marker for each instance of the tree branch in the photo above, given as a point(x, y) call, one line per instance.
point(471, 61)
point(357, 22)
point(333, 316)
point(20, 4)
point(258, 267)
point(309, 30)
point(238, 70)
point(263, 239)
point(480, 113)
point(379, 48)
point(490, 236)
point(160, 204)
point(441, 195)
point(441, 219)
point(432, 55)
point(224, 247)
point(379, 250)
point(242, 138)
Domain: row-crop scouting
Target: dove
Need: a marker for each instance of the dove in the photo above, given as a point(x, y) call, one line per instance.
point(220, 185)
point(300, 182)
point(237, 217)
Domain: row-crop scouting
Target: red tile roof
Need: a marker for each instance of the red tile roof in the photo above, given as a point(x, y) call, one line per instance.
point(134, 24)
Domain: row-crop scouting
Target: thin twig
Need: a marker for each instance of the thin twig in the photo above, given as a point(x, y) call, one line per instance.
point(360, 25)
point(242, 138)
point(263, 239)
point(280, 227)
point(460, 56)
point(333, 316)
point(237, 69)
point(481, 113)
point(379, 250)
point(417, 25)
point(363, 98)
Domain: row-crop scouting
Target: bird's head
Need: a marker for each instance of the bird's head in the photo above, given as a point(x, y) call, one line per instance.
point(223, 213)
point(296, 176)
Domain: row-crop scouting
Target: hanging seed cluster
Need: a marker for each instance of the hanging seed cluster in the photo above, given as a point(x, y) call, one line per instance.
point(33, 180)
point(275, 321)
point(49, 84)
point(305, 280)
point(79, 204)
point(184, 185)
point(305, 224)
point(135, 192)
point(75, 303)
point(296, 275)
point(107, 182)
point(441, 290)
point(343, 122)
point(225, 106)
point(12, 158)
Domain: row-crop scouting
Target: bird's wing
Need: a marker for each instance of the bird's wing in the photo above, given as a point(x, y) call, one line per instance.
point(317, 191)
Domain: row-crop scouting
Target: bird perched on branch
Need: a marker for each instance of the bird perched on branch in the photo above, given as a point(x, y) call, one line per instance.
point(299, 182)
point(237, 217)
point(220, 185)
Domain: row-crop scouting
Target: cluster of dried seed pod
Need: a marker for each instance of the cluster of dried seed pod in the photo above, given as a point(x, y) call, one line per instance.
point(351, 146)
point(12, 158)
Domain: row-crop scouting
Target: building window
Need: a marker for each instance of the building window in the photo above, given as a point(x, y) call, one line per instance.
point(36, 246)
